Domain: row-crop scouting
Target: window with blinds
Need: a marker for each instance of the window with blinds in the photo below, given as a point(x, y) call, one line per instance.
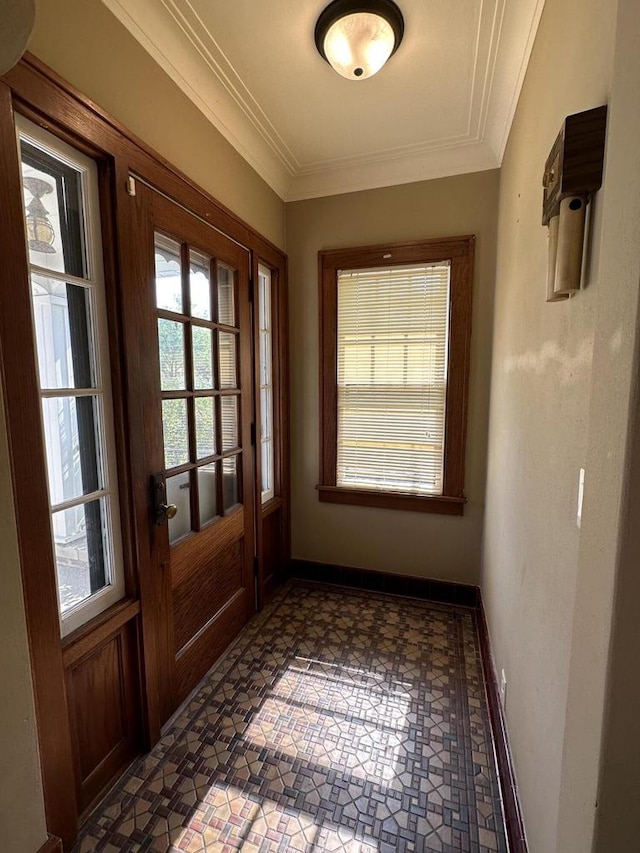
point(395, 343)
point(392, 353)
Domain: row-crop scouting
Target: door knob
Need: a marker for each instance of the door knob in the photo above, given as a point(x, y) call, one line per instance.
point(168, 511)
point(162, 511)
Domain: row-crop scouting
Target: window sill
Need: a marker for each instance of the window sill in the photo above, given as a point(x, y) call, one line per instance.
point(389, 500)
point(271, 506)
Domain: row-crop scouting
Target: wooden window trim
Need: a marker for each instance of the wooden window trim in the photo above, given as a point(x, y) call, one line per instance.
point(459, 251)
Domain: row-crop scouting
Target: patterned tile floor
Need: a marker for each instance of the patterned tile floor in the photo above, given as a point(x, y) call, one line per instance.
point(339, 721)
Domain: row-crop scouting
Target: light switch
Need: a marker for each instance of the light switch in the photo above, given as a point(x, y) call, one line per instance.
point(580, 496)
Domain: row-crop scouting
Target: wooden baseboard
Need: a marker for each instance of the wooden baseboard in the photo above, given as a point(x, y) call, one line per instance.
point(51, 845)
point(511, 801)
point(445, 592)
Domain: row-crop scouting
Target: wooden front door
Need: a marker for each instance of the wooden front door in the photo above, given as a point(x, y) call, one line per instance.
point(196, 373)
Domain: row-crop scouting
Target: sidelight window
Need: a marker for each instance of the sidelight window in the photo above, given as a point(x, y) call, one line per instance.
point(267, 450)
point(60, 191)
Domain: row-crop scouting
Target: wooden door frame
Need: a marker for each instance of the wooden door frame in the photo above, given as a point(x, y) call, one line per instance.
point(34, 90)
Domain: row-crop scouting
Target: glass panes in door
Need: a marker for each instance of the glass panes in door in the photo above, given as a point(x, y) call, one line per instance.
point(168, 275)
point(198, 350)
point(62, 230)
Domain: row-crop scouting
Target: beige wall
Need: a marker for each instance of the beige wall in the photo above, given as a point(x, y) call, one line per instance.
point(388, 540)
point(601, 761)
point(559, 402)
point(22, 823)
point(89, 47)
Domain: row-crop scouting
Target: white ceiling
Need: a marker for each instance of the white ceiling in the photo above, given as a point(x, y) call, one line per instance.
point(442, 105)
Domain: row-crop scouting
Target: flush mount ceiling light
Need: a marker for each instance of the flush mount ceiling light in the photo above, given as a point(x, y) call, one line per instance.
point(356, 37)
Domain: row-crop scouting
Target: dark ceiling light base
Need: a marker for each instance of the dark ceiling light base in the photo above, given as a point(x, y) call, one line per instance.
point(338, 9)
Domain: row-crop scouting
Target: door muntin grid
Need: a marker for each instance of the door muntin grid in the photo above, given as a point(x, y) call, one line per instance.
point(199, 350)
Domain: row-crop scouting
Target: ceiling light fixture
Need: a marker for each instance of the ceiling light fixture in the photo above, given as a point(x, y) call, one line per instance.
point(357, 37)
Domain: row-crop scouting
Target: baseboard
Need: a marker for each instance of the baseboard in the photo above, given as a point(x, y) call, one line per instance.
point(51, 845)
point(511, 801)
point(445, 592)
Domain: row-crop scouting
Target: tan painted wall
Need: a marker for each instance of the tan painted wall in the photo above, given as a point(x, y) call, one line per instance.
point(388, 540)
point(89, 47)
point(545, 585)
point(601, 753)
point(22, 823)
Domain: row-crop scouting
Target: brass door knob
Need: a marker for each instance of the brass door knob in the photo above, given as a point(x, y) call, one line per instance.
point(169, 511)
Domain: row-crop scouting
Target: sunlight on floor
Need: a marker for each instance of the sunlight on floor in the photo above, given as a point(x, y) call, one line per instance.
point(339, 722)
point(304, 719)
point(242, 824)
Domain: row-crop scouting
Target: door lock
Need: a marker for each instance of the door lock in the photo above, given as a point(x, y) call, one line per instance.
point(161, 509)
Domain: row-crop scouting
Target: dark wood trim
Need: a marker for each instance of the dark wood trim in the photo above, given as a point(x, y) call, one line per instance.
point(51, 845)
point(426, 251)
point(508, 785)
point(272, 506)
point(27, 459)
point(458, 370)
point(135, 308)
point(460, 252)
point(389, 500)
point(446, 592)
point(84, 641)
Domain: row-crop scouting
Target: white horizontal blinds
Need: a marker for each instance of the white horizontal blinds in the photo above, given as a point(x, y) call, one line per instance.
point(393, 327)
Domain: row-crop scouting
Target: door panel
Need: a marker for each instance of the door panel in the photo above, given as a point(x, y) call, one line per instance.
point(198, 368)
point(205, 575)
point(102, 692)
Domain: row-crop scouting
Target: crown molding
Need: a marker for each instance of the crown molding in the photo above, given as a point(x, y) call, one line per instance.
point(174, 35)
point(516, 40)
point(440, 163)
point(153, 26)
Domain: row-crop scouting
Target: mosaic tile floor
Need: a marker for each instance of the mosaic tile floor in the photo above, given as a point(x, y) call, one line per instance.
point(339, 721)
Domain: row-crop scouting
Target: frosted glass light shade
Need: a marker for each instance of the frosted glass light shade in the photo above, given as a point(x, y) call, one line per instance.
point(358, 45)
point(357, 37)
point(16, 24)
